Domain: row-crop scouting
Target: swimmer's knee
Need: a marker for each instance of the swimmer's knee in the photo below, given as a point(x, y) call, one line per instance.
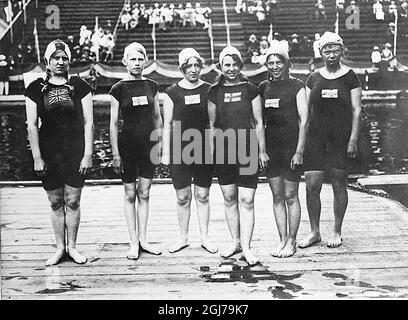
point(56, 204)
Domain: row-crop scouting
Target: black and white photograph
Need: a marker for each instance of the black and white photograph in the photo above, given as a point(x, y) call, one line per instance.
point(214, 152)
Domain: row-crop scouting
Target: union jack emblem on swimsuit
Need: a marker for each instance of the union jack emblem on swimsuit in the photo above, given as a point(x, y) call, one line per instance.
point(58, 95)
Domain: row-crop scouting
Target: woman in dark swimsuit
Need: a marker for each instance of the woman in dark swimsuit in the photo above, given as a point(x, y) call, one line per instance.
point(62, 148)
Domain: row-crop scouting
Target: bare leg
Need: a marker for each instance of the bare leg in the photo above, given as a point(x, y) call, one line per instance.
point(292, 201)
point(203, 211)
point(314, 181)
point(279, 210)
point(183, 214)
point(247, 222)
point(143, 195)
point(56, 198)
point(2, 87)
point(6, 88)
point(130, 214)
point(72, 198)
point(340, 201)
point(230, 194)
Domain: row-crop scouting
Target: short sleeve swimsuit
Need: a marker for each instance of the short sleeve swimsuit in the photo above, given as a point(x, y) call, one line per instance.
point(61, 135)
point(190, 112)
point(330, 121)
point(136, 105)
point(282, 125)
point(234, 115)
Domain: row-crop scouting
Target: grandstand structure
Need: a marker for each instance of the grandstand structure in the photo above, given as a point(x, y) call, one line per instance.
point(293, 16)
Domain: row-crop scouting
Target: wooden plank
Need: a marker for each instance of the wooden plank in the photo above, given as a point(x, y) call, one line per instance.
point(375, 238)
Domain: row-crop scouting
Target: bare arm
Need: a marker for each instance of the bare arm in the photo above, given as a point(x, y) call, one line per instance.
point(158, 124)
point(33, 137)
point(355, 125)
point(212, 115)
point(302, 110)
point(113, 133)
point(168, 106)
point(87, 109)
point(260, 130)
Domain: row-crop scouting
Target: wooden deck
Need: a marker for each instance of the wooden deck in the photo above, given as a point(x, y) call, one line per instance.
point(372, 262)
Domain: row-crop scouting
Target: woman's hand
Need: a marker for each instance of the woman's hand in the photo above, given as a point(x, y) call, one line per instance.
point(297, 160)
point(40, 168)
point(352, 149)
point(117, 164)
point(263, 160)
point(86, 165)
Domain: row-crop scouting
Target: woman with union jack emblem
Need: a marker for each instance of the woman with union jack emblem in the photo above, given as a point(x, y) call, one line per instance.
point(62, 145)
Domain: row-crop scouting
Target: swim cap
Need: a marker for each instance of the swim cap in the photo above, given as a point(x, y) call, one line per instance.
point(55, 46)
point(330, 38)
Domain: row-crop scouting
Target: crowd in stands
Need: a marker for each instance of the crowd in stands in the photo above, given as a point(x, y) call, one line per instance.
point(262, 10)
point(165, 16)
point(90, 47)
point(383, 58)
point(298, 47)
point(386, 10)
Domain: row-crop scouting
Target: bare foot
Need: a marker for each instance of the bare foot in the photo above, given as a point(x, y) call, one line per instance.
point(289, 249)
point(249, 257)
point(55, 258)
point(146, 247)
point(76, 256)
point(133, 253)
point(278, 249)
point(310, 240)
point(208, 246)
point(230, 251)
point(179, 245)
point(335, 240)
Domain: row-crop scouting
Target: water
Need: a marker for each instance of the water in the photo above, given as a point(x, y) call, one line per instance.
point(383, 144)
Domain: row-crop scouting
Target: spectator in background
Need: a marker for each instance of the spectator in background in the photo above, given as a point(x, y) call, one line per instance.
point(263, 48)
point(376, 57)
point(167, 16)
point(240, 6)
point(392, 9)
point(110, 44)
point(260, 11)
point(320, 10)
point(70, 42)
point(207, 18)
point(84, 34)
point(294, 46)
point(306, 47)
point(388, 57)
point(340, 5)
point(4, 75)
point(378, 10)
point(189, 15)
point(316, 52)
point(199, 14)
point(404, 9)
point(252, 46)
point(178, 15)
point(125, 19)
point(135, 13)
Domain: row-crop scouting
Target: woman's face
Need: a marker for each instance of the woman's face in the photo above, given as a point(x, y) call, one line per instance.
point(276, 66)
point(192, 70)
point(331, 55)
point(59, 63)
point(135, 62)
point(230, 68)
